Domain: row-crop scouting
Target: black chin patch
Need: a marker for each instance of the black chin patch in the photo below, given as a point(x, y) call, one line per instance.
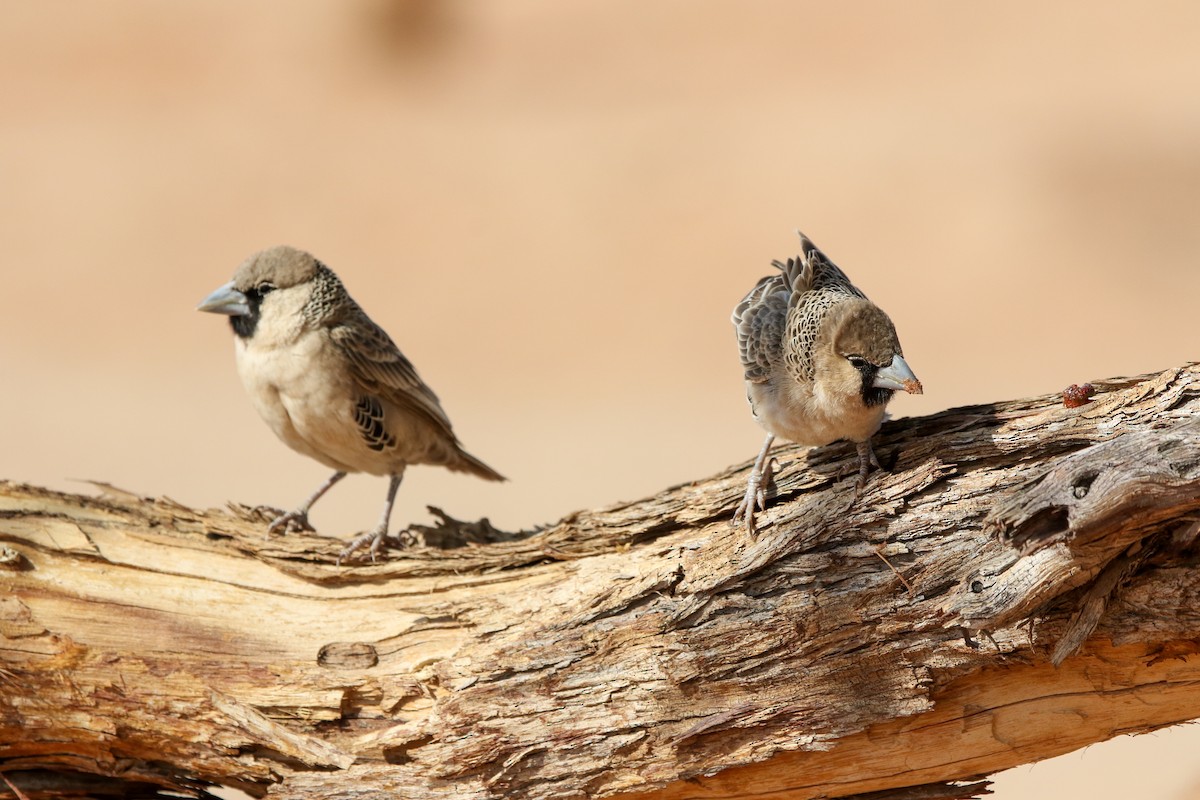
point(872, 395)
point(244, 324)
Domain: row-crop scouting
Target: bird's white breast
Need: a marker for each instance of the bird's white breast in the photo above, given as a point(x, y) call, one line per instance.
point(811, 415)
point(303, 393)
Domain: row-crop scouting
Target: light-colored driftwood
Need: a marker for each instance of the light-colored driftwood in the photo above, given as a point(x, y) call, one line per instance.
point(899, 642)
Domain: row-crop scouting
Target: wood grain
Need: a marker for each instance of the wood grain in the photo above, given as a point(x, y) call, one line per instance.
point(901, 644)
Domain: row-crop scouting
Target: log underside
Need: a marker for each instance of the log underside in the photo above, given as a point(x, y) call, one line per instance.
point(904, 642)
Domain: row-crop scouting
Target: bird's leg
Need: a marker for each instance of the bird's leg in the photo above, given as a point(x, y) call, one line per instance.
point(756, 496)
point(298, 520)
point(866, 459)
point(376, 535)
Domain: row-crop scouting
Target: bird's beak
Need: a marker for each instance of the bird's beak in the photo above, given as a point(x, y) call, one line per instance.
point(228, 300)
point(897, 376)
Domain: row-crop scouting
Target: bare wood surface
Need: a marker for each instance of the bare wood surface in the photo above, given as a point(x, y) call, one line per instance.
point(897, 646)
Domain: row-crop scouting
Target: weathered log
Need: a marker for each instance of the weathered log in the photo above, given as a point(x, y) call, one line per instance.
point(903, 642)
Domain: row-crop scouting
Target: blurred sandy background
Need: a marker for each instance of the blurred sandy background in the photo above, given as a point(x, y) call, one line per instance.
point(553, 207)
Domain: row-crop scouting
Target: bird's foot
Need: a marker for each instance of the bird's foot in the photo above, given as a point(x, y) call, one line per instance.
point(375, 538)
point(291, 521)
point(866, 459)
point(745, 511)
point(756, 496)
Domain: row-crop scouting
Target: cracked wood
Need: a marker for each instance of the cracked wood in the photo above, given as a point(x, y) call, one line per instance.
point(899, 644)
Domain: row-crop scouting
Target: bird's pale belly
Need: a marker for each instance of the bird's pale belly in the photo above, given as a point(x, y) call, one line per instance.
point(298, 408)
point(812, 421)
point(313, 412)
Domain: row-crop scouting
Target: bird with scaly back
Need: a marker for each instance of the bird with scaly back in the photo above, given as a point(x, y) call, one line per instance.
point(821, 362)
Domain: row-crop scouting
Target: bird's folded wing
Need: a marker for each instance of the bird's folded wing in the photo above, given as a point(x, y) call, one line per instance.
point(381, 369)
point(760, 320)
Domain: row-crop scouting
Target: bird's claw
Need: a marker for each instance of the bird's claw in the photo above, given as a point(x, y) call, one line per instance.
point(866, 460)
point(291, 521)
point(755, 498)
point(376, 539)
point(756, 492)
point(745, 512)
point(770, 469)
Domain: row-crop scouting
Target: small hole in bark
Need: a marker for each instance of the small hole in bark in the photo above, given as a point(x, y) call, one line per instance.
point(399, 755)
point(1083, 484)
point(348, 655)
point(12, 559)
point(1042, 527)
point(976, 587)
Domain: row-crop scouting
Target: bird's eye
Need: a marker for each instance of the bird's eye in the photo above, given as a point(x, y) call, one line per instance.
point(858, 362)
point(265, 288)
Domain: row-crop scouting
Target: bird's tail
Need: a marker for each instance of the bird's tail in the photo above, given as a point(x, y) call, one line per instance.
point(469, 463)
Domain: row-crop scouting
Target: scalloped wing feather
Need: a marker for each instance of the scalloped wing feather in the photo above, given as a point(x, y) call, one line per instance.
point(760, 320)
point(382, 370)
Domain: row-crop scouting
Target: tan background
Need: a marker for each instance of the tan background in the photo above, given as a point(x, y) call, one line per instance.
point(553, 207)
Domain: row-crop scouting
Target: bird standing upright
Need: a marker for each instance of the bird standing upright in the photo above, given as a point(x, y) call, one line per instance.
point(330, 382)
point(821, 363)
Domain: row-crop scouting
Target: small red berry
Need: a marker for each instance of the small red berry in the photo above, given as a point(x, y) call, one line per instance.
point(1075, 396)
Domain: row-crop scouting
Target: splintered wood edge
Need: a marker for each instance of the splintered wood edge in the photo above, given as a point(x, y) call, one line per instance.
point(275, 725)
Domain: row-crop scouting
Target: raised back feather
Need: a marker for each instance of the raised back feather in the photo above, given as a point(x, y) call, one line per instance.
point(824, 285)
point(778, 321)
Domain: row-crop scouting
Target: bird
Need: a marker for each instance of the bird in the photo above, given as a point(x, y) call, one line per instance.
point(820, 362)
point(331, 383)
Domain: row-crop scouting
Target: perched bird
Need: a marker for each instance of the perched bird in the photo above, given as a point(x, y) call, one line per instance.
point(330, 382)
point(821, 363)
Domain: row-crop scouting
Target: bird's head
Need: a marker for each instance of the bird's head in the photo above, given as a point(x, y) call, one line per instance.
point(275, 283)
point(862, 355)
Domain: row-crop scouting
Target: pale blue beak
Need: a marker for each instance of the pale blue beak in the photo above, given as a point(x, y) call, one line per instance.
point(227, 300)
point(897, 376)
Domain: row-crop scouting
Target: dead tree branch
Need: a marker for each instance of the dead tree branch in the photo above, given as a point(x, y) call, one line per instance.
point(901, 644)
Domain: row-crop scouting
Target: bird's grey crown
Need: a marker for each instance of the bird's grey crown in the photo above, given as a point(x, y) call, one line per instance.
point(282, 267)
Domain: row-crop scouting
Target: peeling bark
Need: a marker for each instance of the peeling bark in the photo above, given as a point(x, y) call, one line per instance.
point(897, 646)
